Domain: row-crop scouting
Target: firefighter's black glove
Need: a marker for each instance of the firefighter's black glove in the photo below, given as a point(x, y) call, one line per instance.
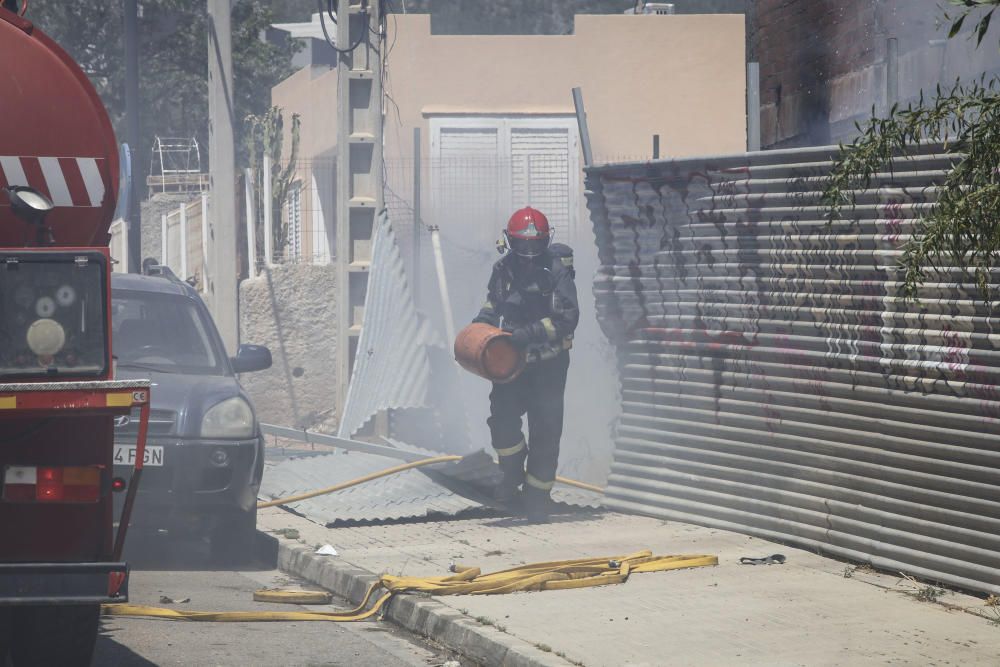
point(521, 338)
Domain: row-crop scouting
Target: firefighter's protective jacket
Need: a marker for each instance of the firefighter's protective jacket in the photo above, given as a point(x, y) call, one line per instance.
point(537, 296)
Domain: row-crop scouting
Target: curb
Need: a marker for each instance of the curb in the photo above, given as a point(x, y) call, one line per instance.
point(416, 613)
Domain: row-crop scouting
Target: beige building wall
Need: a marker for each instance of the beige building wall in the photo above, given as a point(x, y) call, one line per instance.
point(681, 77)
point(312, 94)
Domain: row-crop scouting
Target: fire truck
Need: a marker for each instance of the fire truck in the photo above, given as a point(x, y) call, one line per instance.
point(60, 551)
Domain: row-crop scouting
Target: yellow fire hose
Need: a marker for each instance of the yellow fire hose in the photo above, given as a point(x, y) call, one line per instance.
point(553, 575)
point(393, 470)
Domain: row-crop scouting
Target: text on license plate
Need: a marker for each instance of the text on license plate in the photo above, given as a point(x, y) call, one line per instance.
point(125, 455)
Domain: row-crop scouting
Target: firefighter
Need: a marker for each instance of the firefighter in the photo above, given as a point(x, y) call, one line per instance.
point(532, 295)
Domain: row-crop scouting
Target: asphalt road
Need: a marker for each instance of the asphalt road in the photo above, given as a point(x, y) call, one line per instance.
point(184, 571)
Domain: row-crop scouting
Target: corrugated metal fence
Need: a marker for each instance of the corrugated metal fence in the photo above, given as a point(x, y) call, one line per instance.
point(772, 381)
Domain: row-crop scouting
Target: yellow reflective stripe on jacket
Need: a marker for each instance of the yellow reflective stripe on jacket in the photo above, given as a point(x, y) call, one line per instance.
point(550, 328)
point(510, 451)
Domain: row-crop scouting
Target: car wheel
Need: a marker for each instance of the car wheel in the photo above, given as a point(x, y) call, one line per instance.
point(233, 538)
point(54, 635)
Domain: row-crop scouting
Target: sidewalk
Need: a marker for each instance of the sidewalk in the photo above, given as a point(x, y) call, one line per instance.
point(809, 611)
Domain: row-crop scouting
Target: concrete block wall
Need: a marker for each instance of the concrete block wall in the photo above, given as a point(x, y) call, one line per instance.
point(290, 308)
point(152, 210)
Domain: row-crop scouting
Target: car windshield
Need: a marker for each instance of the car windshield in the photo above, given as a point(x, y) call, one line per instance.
point(163, 332)
point(52, 314)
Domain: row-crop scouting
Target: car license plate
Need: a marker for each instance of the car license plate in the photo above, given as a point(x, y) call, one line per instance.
point(125, 455)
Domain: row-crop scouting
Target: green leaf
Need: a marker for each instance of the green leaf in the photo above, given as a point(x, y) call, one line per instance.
point(956, 27)
point(984, 25)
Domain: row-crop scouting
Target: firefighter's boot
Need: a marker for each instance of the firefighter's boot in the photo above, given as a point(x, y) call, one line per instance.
point(511, 461)
point(508, 493)
point(537, 504)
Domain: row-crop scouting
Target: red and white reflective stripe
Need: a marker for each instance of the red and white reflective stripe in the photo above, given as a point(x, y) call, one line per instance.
point(67, 181)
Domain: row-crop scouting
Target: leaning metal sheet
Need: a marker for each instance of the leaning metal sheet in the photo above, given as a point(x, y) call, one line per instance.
point(392, 369)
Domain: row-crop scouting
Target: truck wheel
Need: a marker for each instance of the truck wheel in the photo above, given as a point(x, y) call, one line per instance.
point(233, 538)
point(54, 635)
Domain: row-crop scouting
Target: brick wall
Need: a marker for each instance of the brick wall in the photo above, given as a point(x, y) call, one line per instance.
point(801, 45)
point(822, 64)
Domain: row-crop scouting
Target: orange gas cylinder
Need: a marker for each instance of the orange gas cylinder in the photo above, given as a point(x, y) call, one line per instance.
point(488, 352)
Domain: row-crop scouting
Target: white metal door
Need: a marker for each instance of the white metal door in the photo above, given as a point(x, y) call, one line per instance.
point(540, 174)
point(465, 174)
point(485, 167)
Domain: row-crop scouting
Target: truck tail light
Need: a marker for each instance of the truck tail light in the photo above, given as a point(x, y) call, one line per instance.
point(38, 484)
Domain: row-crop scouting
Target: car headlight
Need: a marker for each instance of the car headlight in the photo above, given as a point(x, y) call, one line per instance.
point(232, 418)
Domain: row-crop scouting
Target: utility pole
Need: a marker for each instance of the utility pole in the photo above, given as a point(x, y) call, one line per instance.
point(360, 195)
point(753, 107)
point(581, 122)
point(222, 285)
point(134, 209)
point(418, 225)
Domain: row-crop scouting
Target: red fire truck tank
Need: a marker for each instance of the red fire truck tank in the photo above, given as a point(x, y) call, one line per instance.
point(55, 136)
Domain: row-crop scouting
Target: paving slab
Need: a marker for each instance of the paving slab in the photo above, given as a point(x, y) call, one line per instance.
point(810, 611)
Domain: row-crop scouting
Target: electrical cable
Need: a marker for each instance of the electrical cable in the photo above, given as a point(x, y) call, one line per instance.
point(386, 9)
point(326, 34)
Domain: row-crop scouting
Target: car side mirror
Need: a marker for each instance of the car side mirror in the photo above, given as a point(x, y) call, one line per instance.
point(250, 358)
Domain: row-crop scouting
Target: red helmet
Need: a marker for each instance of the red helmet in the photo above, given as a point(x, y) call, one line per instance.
point(528, 232)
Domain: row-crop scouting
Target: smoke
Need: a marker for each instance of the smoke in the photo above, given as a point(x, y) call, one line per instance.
point(470, 216)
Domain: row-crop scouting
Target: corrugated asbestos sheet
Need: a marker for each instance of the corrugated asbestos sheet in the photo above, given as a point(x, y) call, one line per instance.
point(392, 369)
point(772, 381)
point(442, 490)
point(406, 495)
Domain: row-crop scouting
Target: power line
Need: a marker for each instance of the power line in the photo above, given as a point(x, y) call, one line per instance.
point(329, 40)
